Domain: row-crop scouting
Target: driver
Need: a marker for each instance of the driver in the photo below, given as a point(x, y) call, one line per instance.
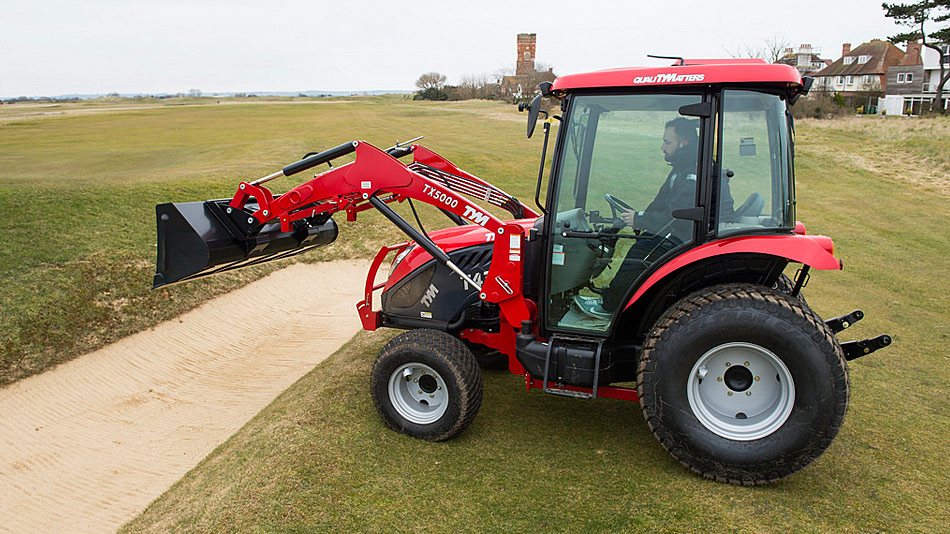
point(679, 148)
point(661, 232)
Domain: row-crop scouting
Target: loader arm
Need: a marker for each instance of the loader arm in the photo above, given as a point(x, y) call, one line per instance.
point(375, 179)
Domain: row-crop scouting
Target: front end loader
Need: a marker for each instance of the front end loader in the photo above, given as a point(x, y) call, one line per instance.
point(620, 277)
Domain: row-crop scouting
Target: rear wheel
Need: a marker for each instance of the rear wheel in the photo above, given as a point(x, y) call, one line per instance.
point(743, 384)
point(785, 285)
point(426, 384)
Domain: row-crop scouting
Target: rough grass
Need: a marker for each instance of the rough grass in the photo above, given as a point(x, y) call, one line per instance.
point(79, 182)
point(320, 460)
point(872, 143)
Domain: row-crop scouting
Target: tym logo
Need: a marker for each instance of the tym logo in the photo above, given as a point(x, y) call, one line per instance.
point(670, 77)
point(476, 277)
point(429, 296)
point(475, 216)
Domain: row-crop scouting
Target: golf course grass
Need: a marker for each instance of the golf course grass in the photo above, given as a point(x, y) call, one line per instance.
point(77, 255)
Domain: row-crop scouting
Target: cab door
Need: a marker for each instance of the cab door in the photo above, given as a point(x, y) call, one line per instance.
point(615, 161)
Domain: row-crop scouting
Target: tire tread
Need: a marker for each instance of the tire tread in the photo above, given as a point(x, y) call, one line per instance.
point(732, 295)
point(461, 363)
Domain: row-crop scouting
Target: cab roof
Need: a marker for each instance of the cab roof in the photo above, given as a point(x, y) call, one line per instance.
point(685, 72)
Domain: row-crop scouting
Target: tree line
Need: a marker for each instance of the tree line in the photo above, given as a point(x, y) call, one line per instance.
point(433, 86)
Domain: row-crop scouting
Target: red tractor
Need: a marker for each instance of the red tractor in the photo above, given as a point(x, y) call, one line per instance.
point(653, 272)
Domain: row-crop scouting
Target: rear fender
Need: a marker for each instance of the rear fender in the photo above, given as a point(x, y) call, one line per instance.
point(816, 251)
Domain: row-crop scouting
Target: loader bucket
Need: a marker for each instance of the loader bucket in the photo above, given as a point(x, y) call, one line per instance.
point(195, 239)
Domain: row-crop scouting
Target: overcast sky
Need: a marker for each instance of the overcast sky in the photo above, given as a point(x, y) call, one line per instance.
point(54, 47)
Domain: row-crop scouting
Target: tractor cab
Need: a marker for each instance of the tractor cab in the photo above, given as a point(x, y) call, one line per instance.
point(643, 175)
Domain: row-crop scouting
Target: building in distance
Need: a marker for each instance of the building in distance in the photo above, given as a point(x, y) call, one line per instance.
point(524, 83)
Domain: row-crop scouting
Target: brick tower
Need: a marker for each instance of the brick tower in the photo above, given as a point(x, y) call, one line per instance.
point(526, 47)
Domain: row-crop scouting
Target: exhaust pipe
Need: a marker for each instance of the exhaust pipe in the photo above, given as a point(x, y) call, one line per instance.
point(197, 239)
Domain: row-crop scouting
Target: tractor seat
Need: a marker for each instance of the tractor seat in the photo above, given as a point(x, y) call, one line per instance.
point(752, 207)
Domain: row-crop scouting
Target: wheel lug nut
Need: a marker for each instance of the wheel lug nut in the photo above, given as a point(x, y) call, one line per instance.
point(420, 392)
point(729, 393)
point(432, 396)
point(719, 378)
point(746, 364)
point(440, 387)
point(728, 364)
point(748, 393)
point(756, 378)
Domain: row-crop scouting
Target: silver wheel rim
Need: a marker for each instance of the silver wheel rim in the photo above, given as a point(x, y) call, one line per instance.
point(418, 393)
point(741, 391)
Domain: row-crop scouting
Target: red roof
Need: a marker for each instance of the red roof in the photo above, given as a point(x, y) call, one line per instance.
point(882, 55)
point(693, 72)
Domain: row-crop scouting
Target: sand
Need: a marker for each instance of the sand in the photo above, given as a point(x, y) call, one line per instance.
point(88, 445)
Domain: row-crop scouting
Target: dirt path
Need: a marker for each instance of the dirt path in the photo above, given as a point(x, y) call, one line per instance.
point(86, 446)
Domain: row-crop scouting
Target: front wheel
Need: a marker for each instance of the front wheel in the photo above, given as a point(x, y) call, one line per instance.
point(743, 384)
point(426, 384)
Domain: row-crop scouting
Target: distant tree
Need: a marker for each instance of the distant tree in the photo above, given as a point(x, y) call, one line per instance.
point(500, 74)
point(431, 80)
point(453, 92)
point(915, 16)
point(542, 73)
point(770, 49)
point(476, 86)
point(431, 86)
point(820, 106)
point(194, 92)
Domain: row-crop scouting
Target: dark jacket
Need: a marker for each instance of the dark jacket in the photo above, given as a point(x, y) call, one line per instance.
point(677, 192)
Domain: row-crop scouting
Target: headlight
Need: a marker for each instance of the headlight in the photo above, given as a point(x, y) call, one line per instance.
point(401, 256)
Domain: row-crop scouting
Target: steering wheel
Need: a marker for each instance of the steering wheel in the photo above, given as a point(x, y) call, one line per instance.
point(616, 205)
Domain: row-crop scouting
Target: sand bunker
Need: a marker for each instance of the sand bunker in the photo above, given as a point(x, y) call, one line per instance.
point(87, 446)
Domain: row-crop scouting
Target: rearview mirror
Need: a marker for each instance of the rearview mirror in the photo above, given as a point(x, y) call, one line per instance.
point(533, 108)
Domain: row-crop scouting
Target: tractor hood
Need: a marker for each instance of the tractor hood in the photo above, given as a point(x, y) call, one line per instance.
point(449, 240)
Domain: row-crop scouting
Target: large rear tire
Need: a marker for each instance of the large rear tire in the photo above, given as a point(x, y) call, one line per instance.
point(427, 384)
point(785, 285)
point(743, 384)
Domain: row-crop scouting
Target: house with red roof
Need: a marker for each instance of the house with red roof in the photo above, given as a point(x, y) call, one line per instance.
point(859, 74)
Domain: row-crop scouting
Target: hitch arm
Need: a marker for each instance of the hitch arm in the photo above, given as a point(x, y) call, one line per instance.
point(855, 349)
point(840, 323)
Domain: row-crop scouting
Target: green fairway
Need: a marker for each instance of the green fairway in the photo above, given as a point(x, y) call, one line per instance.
point(79, 185)
point(77, 192)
